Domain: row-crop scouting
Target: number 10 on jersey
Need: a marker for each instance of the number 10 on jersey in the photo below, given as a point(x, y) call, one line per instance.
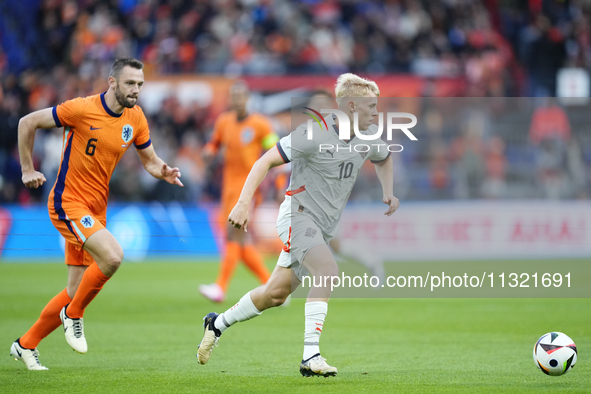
point(346, 169)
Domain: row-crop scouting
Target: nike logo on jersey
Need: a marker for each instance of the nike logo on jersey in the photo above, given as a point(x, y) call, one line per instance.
point(95, 128)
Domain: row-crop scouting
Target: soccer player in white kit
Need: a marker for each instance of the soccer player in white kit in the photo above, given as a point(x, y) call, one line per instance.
point(324, 170)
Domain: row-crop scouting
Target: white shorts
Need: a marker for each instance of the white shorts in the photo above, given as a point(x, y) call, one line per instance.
point(299, 233)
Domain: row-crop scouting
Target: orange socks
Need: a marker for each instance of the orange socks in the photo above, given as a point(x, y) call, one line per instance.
point(92, 282)
point(48, 321)
point(254, 262)
point(235, 252)
point(228, 265)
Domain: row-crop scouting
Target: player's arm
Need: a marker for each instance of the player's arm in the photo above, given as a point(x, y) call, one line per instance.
point(212, 147)
point(210, 150)
point(239, 215)
point(385, 171)
point(157, 167)
point(27, 126)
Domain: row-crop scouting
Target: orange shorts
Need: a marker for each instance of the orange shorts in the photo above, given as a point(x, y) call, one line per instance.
point(75, 255)
point(229, 200)
point(76, 223)
point(228, 203)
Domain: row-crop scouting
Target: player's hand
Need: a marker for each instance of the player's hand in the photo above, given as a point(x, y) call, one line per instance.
point(393, 204)
point(239, 216)
point(171, 175)
point(207, 155)
point(33, 179)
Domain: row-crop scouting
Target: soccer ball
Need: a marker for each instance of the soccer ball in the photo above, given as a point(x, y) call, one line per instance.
point(555, 353)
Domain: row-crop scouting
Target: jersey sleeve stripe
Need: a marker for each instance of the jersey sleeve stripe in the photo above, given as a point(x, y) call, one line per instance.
point(143, 146)
point(281, 152)
point(55, 117)
point(380, 161)
point(61, 183)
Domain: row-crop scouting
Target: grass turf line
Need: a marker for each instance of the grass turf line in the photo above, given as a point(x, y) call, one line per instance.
point(144, 328)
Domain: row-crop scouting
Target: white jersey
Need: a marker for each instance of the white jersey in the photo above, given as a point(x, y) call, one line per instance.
point(324, 170)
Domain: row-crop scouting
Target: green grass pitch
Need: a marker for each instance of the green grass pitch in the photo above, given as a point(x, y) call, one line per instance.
point(144, 328)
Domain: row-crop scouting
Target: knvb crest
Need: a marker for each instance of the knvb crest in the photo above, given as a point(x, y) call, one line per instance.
point(127, 133)
point(246, 135)
point(87, 221)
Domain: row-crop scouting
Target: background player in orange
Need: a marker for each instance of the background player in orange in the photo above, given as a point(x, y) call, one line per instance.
point(242, 137)
point(98, 130)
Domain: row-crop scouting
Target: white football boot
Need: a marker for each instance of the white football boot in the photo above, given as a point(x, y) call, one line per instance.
point(213, 291)
point(211, 336)
point(317, 366)
point(30, 357)
point(74, 331)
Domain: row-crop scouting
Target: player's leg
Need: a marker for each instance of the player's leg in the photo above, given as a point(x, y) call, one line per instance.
point(252, 304)
point(107, 253)
point(361, 254)
point(25, 348)
point(217, 291)
point(254, 261)
point(251, 257)
point(248, 253)
point(49, 319)
point(75, 274)
point(237, 248)
point(280, 285)
point(321, 264)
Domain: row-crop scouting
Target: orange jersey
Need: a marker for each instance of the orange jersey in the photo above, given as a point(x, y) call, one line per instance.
point(95, 139)
point(243, 142)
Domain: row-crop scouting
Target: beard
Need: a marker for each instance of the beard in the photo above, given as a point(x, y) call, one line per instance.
point(123, 100)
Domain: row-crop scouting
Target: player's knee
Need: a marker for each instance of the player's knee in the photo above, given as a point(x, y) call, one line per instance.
point(333, 270)
point(114, 259)
point(326, 270)
point(113, 263)
point(277, 296)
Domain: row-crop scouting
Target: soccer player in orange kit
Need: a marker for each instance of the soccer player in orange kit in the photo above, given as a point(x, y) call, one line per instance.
point(243, 137)
point(98, 130)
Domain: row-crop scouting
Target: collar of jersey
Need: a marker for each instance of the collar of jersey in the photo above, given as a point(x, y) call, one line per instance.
point(332, 121)
point(113, 114)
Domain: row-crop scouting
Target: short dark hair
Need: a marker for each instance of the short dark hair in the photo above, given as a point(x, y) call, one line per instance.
point(239, 85)
point(122, 62)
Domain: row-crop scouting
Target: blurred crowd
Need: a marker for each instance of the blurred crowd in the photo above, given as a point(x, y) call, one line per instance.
point(509, 148)
point(501, 48)
point(491, 42)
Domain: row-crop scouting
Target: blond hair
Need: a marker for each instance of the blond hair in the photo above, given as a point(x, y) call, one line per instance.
point(351, 85)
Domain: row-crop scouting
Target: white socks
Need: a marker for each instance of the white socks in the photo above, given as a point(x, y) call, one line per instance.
point(242, 311)
point(315, 315)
